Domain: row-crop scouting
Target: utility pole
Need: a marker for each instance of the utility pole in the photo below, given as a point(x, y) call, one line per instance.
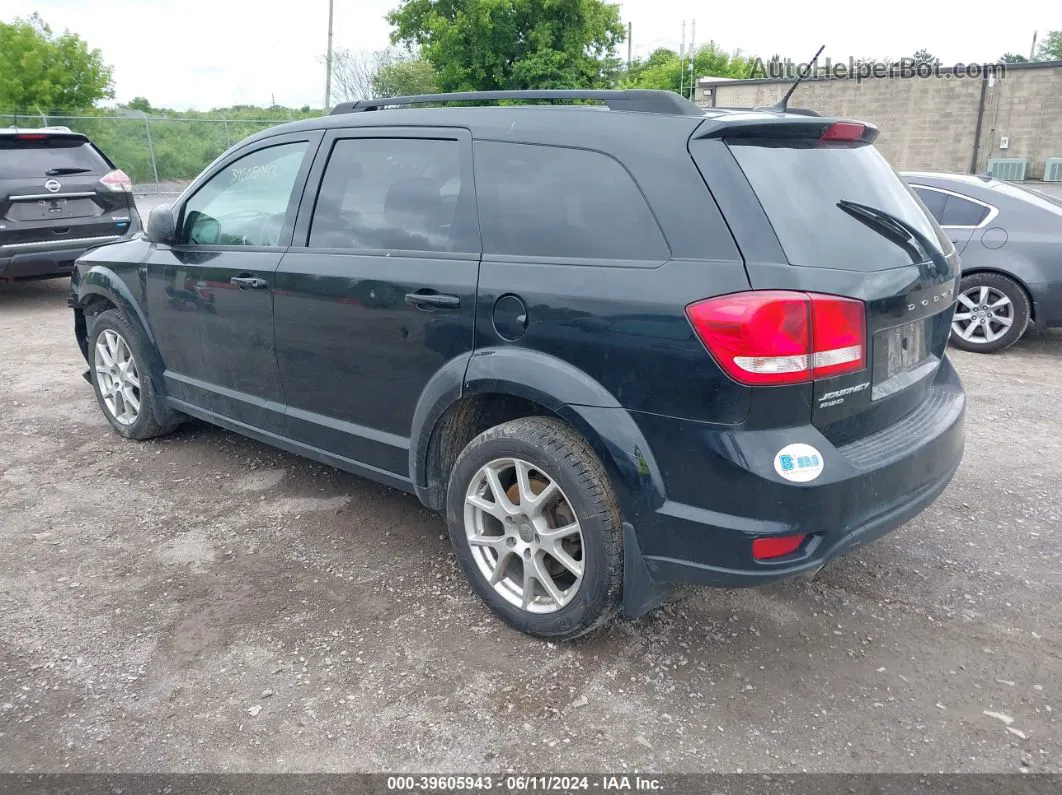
point(630, 34)
point(328, 61)
point(682, 60)
point(1032, 50)
point(693, 53)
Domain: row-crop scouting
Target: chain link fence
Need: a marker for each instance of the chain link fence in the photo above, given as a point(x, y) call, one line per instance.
point(161, 154)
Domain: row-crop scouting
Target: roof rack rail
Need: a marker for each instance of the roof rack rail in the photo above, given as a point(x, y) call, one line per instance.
point(640, 100)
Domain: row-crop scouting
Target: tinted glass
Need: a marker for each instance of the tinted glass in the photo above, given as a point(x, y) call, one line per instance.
point(245, 204)
point(26, 159)
point(542, 201)
point(799, 187)
point(392, 193)
point(959, 212)
point(934, 201)
point(1052, 204)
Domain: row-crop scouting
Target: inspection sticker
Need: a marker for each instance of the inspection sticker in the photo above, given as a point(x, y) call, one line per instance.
point(798, 463)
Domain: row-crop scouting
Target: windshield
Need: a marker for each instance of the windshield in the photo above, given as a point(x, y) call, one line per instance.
point(27, 159)
point(804, 188)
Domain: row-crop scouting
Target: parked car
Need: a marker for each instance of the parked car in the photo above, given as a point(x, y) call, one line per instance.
point(617, 349)
point(59, 196)
point(1010, 241)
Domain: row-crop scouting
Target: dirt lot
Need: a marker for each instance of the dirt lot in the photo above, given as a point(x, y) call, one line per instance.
point(204, 602)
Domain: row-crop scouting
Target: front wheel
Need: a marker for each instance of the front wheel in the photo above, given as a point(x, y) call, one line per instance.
point(991, 314)
point(536, 527)
point(123, 387)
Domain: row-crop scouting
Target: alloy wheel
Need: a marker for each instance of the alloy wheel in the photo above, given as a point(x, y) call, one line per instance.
point(117, 377)
point(982, 315)
point(524, 535)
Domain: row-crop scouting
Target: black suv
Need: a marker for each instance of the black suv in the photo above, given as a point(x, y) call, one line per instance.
point(620, 348)
point(59, 196)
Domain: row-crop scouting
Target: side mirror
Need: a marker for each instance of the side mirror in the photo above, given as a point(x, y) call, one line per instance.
point(160, 225)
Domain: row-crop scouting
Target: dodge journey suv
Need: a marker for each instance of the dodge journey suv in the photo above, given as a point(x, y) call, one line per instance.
point(59, 196)
point(619, 347)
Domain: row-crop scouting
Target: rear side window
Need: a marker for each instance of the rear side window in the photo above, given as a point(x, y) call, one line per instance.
point(22, 158)
point(934, 201)
point(960, 212)
point(544, 201)
point(393, 193)
point(799, 186)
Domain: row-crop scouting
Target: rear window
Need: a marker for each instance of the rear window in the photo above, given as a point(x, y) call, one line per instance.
point(22, 158)
point(799, 187)
point(1042, 200)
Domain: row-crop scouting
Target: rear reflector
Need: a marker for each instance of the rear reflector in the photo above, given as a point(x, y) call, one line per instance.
point(844, 131)
point(775, 546)
point(117, 180)
point(775, 337)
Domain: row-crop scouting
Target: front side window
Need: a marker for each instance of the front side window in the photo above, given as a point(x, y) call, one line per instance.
point(393, 194)
point(245, 203)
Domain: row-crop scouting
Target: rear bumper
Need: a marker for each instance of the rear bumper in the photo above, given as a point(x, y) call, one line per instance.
point(866, 489)
point(55, 259)
point(1047, 304)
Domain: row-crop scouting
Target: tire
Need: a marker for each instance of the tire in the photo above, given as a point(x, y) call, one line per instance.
point(989, 303)
point(119, 386)
point(546, 451)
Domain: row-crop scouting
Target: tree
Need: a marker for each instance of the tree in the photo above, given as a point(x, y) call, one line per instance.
point(41, 70)
point(663, 69)
point(1012, 57)
point(140, 103)
point(1050, 49)
point(512, 44)
point(923, 56)
point(353, 73)
point(403, 78)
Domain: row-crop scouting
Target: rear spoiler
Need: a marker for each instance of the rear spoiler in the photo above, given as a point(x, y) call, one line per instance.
point(783, 127)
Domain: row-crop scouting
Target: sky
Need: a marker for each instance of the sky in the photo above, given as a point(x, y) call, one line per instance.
point(216, 53)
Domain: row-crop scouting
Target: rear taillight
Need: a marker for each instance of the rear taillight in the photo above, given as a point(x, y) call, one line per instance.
point(778, 337)
point(30, 137)
point(117, 180)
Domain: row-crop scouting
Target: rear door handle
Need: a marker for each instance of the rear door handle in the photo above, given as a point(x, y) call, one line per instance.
point(248, 282)
point(440, 300)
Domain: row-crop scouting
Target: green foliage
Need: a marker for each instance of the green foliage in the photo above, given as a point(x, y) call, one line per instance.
point(185, 142)
point(923, 56)
point(1012, 57)
point(140, 103)
point(1050, 49)
point(512, 44)
point(662, 69)
point(403, 78)
point(40, 69)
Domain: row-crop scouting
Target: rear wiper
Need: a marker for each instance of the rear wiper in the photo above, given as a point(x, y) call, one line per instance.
point(58, 172)
point(917, 245)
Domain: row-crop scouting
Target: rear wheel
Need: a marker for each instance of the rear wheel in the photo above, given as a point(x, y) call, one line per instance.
point(991, 314)
point(535, 526)
point(123, 387)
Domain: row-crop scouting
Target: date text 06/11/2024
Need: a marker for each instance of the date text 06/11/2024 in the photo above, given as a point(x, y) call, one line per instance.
point(519, 783)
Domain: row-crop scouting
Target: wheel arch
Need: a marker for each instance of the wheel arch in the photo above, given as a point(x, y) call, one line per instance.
point(479, 391)
point(100, 289)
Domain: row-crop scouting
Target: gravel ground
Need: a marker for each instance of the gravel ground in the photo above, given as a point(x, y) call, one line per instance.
point(206, 603)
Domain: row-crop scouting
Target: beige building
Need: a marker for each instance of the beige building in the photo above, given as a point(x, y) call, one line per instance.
point(940, 123)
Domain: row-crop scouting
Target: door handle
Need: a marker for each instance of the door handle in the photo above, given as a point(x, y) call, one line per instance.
point(248, 282)
point(433, 300)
